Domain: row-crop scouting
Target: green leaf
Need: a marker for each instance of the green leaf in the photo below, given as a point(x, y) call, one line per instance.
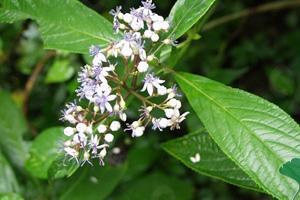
point(93, 182)
point(281, 82)
point(157, 186)
point(9, 17)
point(256, 134)
point(67, 25)
point(291, 169)
point(45, 149)
point(8, 181)
point(12, 127)
point(184, 14)
point(62, 167)
point(60, 71)
point(213, 162)
point(10, 196)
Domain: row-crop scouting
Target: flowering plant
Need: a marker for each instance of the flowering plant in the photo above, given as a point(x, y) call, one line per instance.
point(105, 90)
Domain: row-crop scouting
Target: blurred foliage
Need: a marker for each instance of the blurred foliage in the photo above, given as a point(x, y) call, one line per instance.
point(260, 54)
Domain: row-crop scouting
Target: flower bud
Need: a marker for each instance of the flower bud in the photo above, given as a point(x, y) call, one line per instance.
point(148, 34)
point(115, 126)
point(71, 119)
point(138, 132)
point(127, 18)
point(126, 50)
point(162, 90)
point(96, 108)
point(81, 127)
point(103, 153)
point(122, 103)
point(120, 15)
point(157, 26)
point(123, 117)
point(69, 131)
point(154, 37)
point(169, 113)
point(101, 128)
point(165, 25)
point(142, 66)
point(109, 137)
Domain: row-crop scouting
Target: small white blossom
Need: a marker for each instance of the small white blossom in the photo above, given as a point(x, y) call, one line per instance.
point(81, 127)
point(98, 59)
point(72, 152)
point(69, 131)
point(127, 18)
point(115, 126)
point(154, 37)
point(101, 128)
point(109, 137)
point(151, 82)
point(142, 66)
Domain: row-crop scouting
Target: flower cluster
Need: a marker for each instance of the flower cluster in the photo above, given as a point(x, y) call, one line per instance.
point(91, 129)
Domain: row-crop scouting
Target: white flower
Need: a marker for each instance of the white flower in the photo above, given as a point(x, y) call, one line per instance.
point(195, 158)
point(72, 152)
point(86, 158)
point(176, 119)
point(102, 100)
point(126, 51)
point(148, 34)
point(81, 127)
point(70, 118)
point(154, 37)
point(157, 18)
point(151, 82)
point(68, 131)
point(165, 25)
point(136, 128)
point(101, 156)
point(109, 137)
point(142, 66)
point(157, 26)
point(115, 126)
point(98, 59)
point(162, 90)
point(127, 18)
point(160, 123)
point(101, 128)
point(174, 103)
point(80, 138)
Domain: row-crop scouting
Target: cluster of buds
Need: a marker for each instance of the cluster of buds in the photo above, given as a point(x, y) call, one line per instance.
point(103, 91)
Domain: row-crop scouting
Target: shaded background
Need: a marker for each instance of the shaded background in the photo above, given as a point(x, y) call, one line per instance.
point(259, 53)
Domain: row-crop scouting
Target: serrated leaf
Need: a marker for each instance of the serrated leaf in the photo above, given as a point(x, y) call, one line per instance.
point(67, 25)
point(8, 181)
point(213, 161)
point(45, 149)
point(157, 186)
point(12, 128)
point(256, 134)
point(291, 169)
point(184, 14)
point(60, 71)
point(93, 182)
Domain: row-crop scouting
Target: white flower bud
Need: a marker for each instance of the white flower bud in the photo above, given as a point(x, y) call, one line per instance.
point(109, 137)
point(102, 128)
point(163, 122)
point(86, 155)
point(122, 103)
point(123, 117)
point(149, 108)
point(169, 113)
point(165, 25)
point(142, 54)
point(167, 41)
point(157, 18)
point(142, 66)
point(139, 131)
point(135, 124)
point(150, 58)
point(120, 15)
point(174, 103)
point(103, 153)
point(81, 127)
point(116, 108)
point(115, 126)
point(162, 90)
point(148, 34)
point(69, 131)
point(79, 108)
point(154, 37)
point(96, 108)
point(171, 95)
point(116, 150)
point(122, 26)
point(127, 18)
point(157, 26)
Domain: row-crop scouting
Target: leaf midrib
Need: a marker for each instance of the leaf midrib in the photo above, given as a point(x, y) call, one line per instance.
point(236, 119)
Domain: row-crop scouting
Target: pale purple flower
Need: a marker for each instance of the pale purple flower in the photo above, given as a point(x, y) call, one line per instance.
point(151, 82)
point(102, 100)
